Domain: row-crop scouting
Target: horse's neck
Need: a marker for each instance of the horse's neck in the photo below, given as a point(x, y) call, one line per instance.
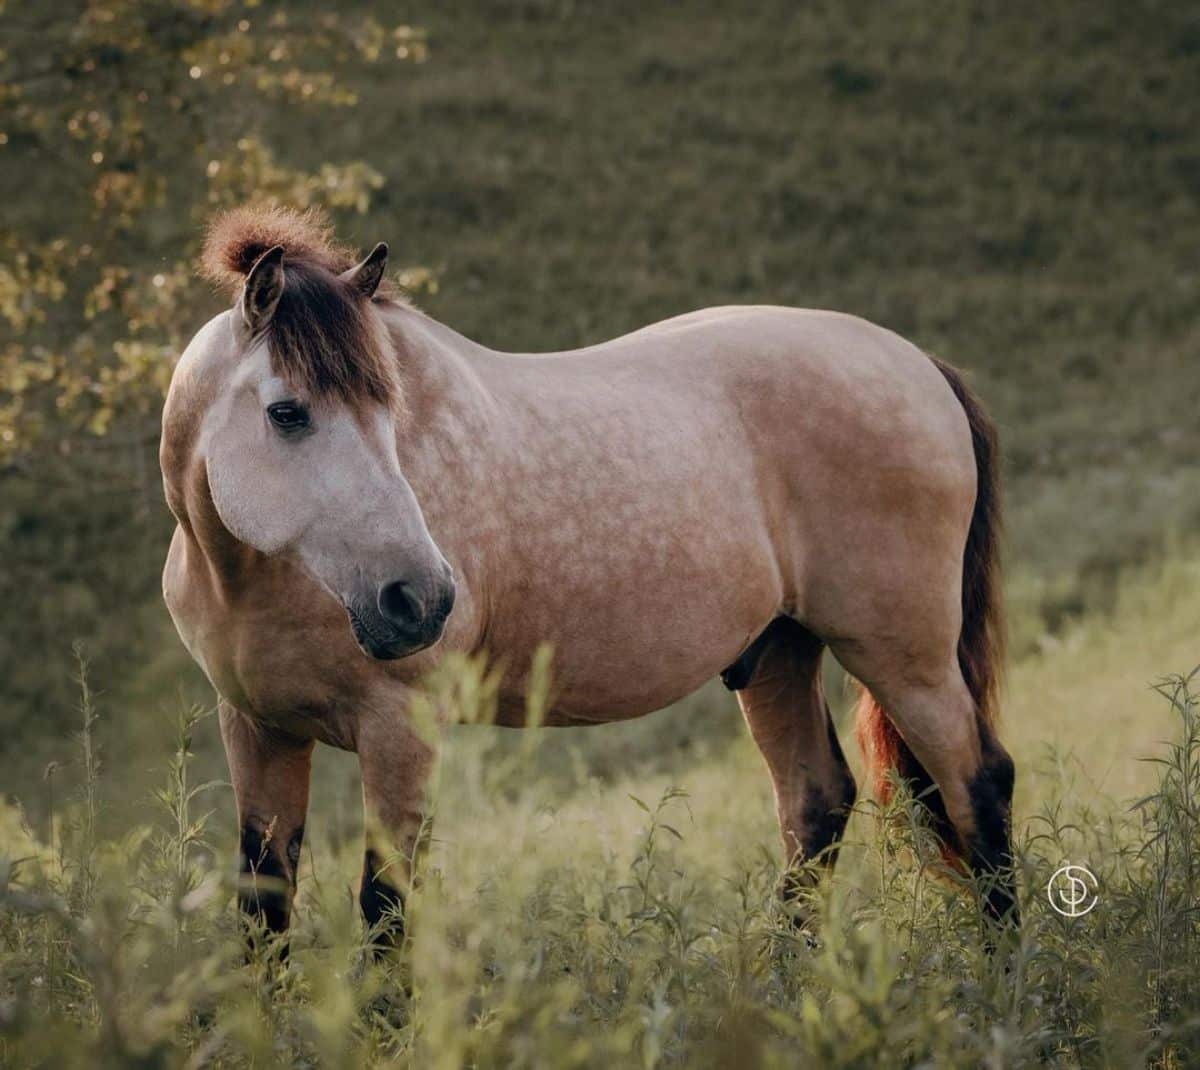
point(459, 441)
point(447, 402)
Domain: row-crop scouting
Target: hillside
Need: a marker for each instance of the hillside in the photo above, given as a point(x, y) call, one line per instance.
point(1016, 188)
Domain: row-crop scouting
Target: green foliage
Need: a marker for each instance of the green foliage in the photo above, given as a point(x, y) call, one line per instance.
point(655, 951)
point(134, 120)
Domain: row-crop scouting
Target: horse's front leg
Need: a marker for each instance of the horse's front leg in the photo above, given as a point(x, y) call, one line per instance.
point(270, 774)
point(395, 764)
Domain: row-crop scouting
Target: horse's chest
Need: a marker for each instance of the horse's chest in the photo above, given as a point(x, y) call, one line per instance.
point(186, 602)
point(280, 663)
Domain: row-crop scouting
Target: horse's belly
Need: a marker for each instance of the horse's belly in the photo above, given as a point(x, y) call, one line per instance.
point(627, 644)
point(583, 697)
point(647, 572)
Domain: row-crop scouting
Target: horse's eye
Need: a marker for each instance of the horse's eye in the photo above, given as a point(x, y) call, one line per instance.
point(288, 415)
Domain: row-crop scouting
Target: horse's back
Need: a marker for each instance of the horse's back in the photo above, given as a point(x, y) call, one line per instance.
point(815, 390)
point(822, 360)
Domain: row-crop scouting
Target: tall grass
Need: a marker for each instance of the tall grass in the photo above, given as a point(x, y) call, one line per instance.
point(652, 944)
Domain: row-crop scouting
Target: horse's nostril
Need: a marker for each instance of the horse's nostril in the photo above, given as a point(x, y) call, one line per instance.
point(399, 604)
point(447, 599)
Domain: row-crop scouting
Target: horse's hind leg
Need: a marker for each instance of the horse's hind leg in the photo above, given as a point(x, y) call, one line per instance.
point(942, 738)
point(784, 706)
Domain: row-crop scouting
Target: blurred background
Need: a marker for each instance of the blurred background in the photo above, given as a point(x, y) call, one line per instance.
point(1015, 187)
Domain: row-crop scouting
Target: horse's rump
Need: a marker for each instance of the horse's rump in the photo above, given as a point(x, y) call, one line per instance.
point(981, 641)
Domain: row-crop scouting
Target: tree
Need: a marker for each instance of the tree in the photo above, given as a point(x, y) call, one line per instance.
point(122, 124)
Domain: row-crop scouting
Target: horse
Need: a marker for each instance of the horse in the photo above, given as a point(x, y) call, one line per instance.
point(360, 490)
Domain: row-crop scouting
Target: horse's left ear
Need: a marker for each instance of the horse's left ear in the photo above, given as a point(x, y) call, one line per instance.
point(366, 277)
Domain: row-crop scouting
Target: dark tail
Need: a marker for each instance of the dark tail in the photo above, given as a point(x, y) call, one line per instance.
point(981, 642)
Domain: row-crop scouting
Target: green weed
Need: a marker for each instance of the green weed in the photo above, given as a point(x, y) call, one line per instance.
point(654, 948)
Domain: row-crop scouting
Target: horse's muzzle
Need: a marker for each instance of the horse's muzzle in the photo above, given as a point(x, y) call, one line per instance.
point(404, 620)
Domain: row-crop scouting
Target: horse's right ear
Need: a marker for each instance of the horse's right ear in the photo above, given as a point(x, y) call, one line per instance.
point(264, 287)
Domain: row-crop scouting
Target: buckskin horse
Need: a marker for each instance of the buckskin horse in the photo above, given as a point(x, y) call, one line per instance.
point(359, 489)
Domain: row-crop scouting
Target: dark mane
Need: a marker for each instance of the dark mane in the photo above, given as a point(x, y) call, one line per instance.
point(322, 337)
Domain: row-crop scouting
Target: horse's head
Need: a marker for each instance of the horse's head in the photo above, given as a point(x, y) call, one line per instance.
point(292, 397)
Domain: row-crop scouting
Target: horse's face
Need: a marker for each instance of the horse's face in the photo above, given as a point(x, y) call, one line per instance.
point(317, 479)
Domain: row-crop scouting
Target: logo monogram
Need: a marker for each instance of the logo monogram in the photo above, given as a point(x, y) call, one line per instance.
point(1072, 890)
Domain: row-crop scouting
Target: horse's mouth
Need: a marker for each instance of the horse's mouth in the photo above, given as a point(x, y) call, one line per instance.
point(381, 641)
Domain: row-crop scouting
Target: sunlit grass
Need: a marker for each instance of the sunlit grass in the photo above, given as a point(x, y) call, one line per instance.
point(568, 919)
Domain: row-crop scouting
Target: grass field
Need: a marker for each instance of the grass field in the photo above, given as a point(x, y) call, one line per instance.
point(586, 903)
point(1016, 188)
